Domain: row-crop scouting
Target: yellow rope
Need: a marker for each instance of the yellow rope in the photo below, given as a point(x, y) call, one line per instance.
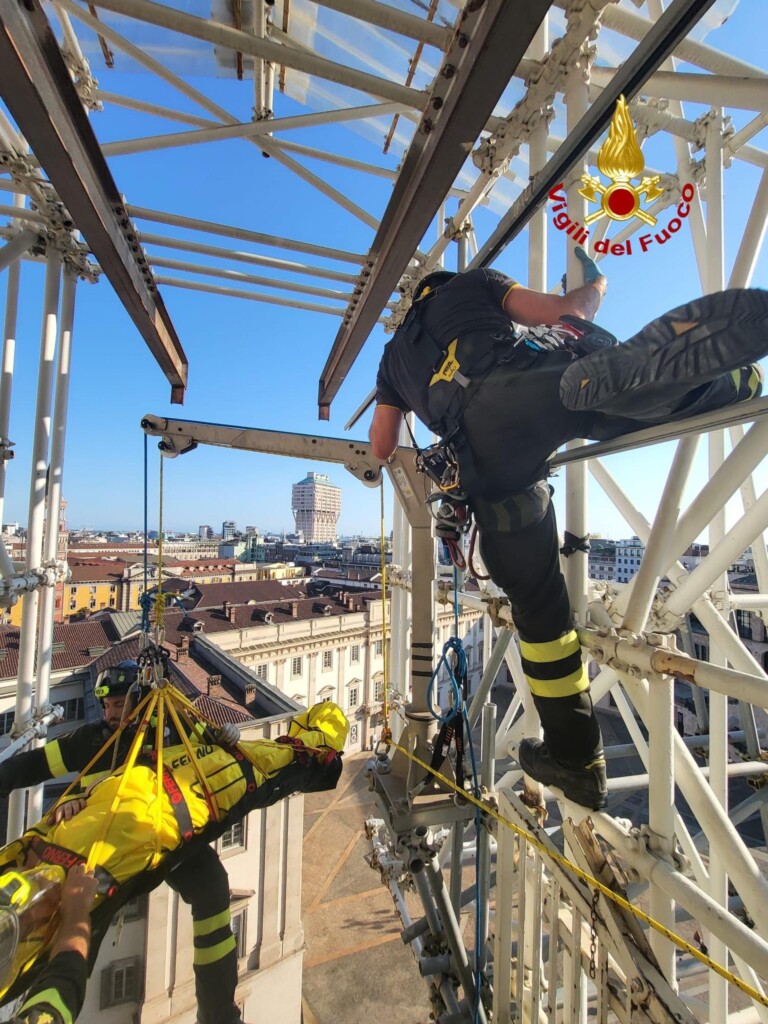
point(159, 734)
point(678, 940)
point(387, 732)
point(133, 753)
point(112, 739)
point(210, 796)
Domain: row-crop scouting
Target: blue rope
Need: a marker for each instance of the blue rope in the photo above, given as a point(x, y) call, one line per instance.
point(451, 644)
point(459, 669)
point(144, 601)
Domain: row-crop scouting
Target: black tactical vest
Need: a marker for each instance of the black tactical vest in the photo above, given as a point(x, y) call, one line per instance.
point(433, 378)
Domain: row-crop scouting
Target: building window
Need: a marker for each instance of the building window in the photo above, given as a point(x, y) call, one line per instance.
point(120, 983)
point(327, 660)
point(73, 708)
point(378, 690)
point(234, 837)
point(352, 734)
point(296, 666)
point(379, 648)
point(135, 909)
point(353, 697)
point(6, 722)
point(354, 653)
point(744, 624)
point(239, 931)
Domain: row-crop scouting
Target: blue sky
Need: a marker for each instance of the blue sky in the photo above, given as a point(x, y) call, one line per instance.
point(259, 365)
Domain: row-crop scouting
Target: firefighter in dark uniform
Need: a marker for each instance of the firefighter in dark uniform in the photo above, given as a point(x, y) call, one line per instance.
point(505, 398)
point(57, 995)
point(200, 880)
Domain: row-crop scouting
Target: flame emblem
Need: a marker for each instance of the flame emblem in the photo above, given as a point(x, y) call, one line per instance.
point(620, 159)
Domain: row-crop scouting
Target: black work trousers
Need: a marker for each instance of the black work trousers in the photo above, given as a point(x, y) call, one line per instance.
point(201, 881)
point(517, 417)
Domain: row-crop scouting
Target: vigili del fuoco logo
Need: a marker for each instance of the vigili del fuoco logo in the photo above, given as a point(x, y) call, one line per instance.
point(620, 159)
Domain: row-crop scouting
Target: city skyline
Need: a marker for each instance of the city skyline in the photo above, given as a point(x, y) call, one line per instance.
point(259, 366)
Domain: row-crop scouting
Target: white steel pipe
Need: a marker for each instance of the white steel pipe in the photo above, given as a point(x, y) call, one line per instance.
point(752, 239)
point(656, 555)
point(37, 727)
point(229, 119)
point(724, 554)
point(53, 510)
point(148, 238)
point(749, 602)
point(17, 246)
point(742, 940)
point(736, 141)
point(231, 231)
point(319, 183)
point(239, 275)
point(144, 107)
point(238, 293)
point(689, 50)
point(247, 129)
point(608, 681)
point(718, 703)
point(725, 841)
point(39, 470)
point(260, 32)
point(661, 792)
point(726, 90)
point(617, 651)
point(19, 213)
point(358, 165)
point(735, 770)
point(722, 485)
point(387, 17)
point(234, 39)
point(6, 381)
point(490, 671)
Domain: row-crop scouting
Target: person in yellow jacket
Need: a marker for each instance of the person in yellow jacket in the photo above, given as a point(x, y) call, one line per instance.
point(135, 823)
point(57, 995)
point(85, 750)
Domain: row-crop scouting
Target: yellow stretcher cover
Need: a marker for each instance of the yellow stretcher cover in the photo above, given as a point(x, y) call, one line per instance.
point(138, 834)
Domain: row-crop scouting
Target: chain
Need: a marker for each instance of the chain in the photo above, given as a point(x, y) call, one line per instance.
point(593, 918)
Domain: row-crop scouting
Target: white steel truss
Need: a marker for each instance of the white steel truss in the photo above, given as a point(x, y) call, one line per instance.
point(550, 945)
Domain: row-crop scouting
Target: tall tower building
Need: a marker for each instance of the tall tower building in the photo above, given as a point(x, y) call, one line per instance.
point(316, 506)
point(228, 529)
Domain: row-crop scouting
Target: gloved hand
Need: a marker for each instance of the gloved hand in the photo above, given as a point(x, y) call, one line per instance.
point(590, 269)
point(228, 735)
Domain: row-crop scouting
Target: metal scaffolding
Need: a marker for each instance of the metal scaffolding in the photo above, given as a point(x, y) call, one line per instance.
point(656, 917)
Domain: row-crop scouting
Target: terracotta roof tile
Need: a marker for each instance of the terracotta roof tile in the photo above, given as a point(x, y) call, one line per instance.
point(259, 591)
point(74, 644)
point(93, 570)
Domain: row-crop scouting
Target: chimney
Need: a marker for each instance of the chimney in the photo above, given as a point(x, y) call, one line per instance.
point(183, 648)
point(294, 606)
point(231, 612)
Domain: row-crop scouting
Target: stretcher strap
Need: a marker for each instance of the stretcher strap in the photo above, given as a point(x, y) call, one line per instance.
point(60, 856)
point(173, 791)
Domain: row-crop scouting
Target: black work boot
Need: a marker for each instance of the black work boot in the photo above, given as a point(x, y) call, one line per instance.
point(585, 784)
